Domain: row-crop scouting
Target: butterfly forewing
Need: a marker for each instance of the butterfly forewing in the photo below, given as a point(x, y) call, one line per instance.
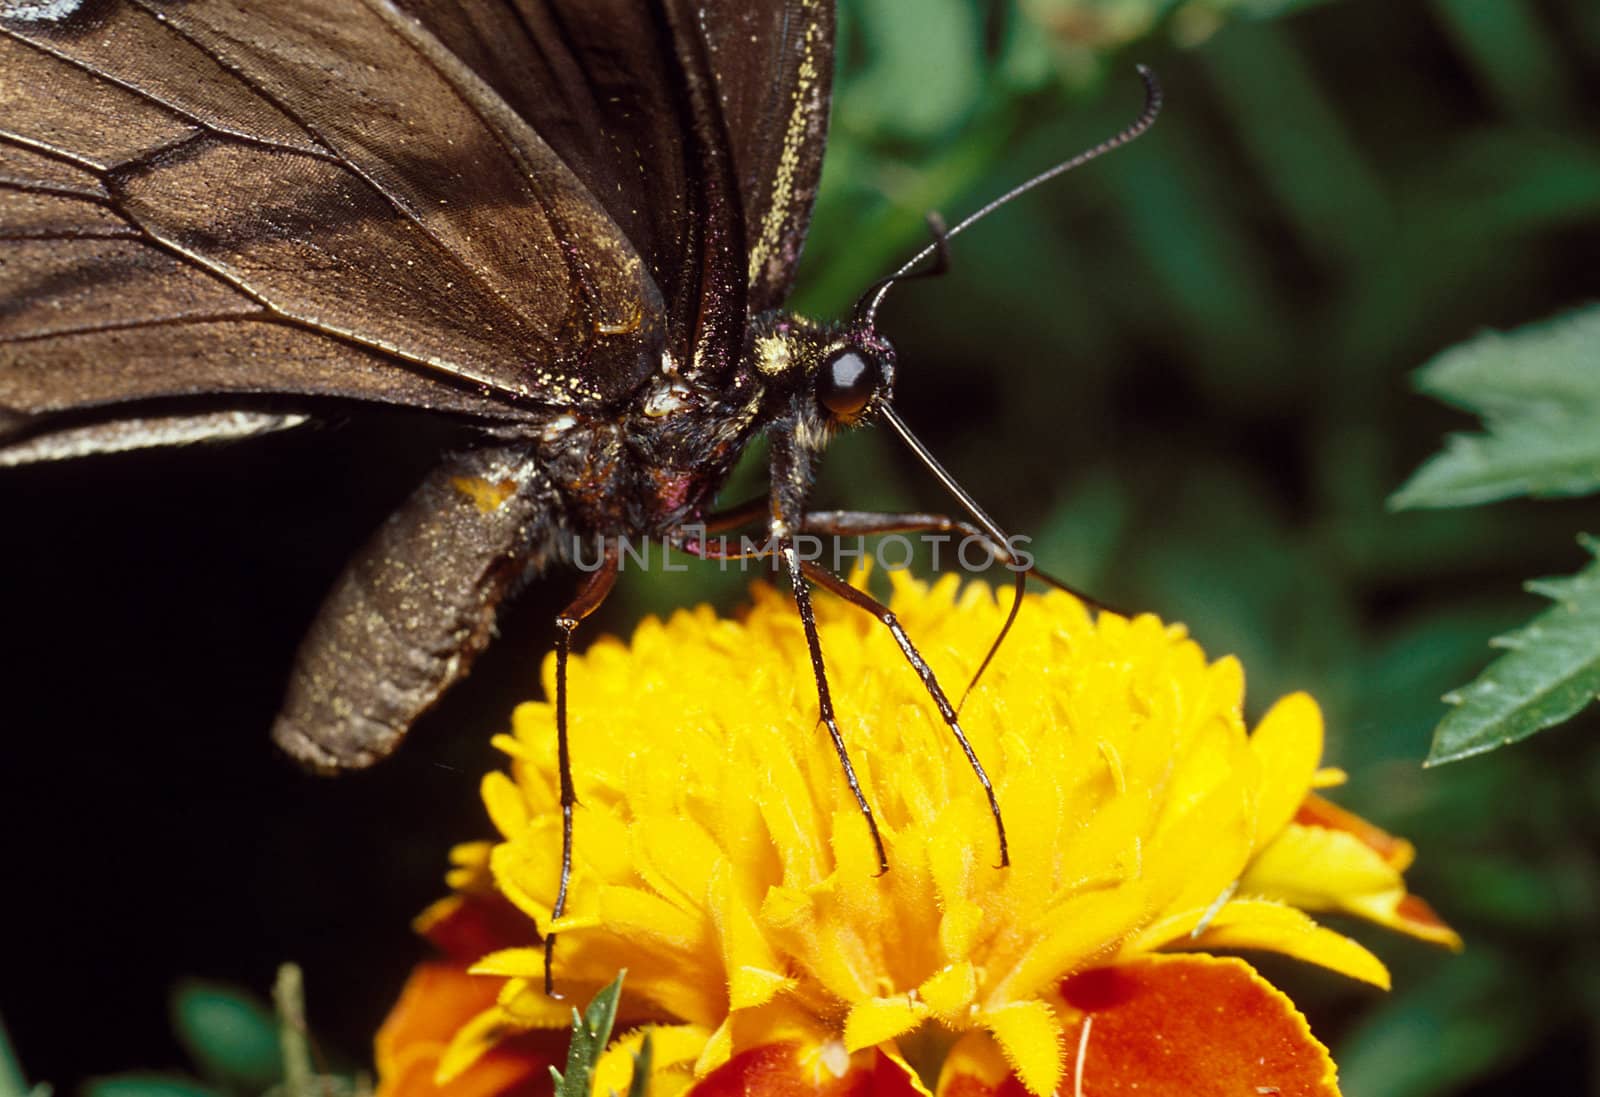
point(774, 65)
point(326, 166)
point(518, 211)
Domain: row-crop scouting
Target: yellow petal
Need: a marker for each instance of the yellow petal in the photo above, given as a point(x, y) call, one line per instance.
point(516, 963)
point(1288, 743)
point(1406, 914)
point(676, 857)
point(891, 1052)
point(469, 867)
point(1086, 928)
point(524, 1005)
point(642, 915)
point(975, 1058)
point(1257, 924)
point(673, 1051)
point(878, 1019)
point(949, 992)
point(718, 1049)
point(508, 811)
point(470, 1042)
point(1319, 869)
point(1029, 1034)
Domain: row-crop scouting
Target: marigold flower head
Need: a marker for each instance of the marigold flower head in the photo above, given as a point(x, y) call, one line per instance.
point(721, 859)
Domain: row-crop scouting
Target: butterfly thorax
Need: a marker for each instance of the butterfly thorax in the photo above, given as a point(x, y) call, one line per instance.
point(661, 463)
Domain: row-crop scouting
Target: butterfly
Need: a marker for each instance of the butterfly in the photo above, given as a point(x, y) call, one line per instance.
point(568, 225)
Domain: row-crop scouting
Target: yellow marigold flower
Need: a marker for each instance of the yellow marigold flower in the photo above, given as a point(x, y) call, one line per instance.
point(720, 858)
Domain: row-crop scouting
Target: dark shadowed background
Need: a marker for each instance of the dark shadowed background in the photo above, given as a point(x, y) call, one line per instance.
point(1183, 371)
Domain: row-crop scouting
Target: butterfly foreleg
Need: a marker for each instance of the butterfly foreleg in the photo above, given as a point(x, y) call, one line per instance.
point(596, 585)
point(885, 616)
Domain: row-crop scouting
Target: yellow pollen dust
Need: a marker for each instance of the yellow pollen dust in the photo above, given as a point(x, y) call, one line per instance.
point(487, 496)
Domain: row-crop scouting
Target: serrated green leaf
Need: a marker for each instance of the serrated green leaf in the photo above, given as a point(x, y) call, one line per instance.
point(1550, 672)
point(590, 1033)
point(146, 1085)
point(1538, 391)
point(230, 1036)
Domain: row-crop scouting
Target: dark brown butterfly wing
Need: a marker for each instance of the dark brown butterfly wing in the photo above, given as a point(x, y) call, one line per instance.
point(774, 66)
point(644, 118)
point(608, 85)
point(475, 206)
point(296, 197)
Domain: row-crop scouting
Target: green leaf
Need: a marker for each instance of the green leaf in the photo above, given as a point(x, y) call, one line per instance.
point(294, 1039)
point(589, 1036)
point(1433, 1037)
point(12, 1081)
point(230, 1036)
point(1550, 672)
point(135, 1084)
point(1538, 391)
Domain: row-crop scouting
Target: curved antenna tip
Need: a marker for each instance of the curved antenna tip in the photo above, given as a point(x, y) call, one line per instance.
point(867, 306)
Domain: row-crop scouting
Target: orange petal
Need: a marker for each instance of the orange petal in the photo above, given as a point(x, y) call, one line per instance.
point(1409, 915)
point(437, 1000)
point(779, 1070)
point(1202, 1026)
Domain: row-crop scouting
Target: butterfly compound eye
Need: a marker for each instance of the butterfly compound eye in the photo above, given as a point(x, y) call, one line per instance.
point(847, 382)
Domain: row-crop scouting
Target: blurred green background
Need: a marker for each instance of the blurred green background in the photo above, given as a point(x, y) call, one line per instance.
point(1183, 370)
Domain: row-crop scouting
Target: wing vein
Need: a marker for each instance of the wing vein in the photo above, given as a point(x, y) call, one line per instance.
point(338, 158)
point(390, 15)
point(317, 327)
point(187, 117)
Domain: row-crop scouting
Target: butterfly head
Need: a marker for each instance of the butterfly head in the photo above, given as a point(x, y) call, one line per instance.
point(819, 378)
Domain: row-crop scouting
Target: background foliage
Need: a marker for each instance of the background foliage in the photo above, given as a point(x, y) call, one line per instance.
point(1185, 370)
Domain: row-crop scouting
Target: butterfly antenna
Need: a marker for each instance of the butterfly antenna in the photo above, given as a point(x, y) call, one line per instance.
point(1152, 107)
point(939, 248)
point(1000, 543)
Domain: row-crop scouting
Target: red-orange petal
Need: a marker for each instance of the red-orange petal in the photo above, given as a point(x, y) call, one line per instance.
point(1191, 1024)
point(467, 927)
point(1195, 1025)
point(437, 1000)
point(1416, 917)
point(962, 1084)
point(775, 1070)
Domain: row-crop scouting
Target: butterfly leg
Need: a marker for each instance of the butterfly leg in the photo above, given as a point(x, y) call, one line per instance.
point(861, 600)
point(739, 514)
point(864, 523)
point(853, 523)
point(706, 550)
point(595, 587)
point(808, 622)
